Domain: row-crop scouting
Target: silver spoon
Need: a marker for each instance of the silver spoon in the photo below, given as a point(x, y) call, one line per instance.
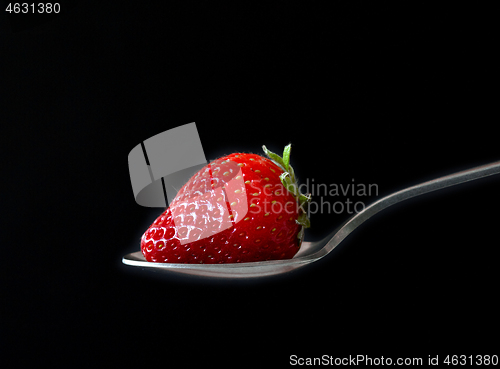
point(312, 251)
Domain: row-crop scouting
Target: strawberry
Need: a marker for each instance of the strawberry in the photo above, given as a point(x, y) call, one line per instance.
point(239, 208)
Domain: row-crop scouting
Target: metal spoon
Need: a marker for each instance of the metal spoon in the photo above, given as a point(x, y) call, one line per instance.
point(312, 251)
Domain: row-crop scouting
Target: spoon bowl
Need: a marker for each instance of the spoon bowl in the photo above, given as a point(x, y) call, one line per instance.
point(312, 251)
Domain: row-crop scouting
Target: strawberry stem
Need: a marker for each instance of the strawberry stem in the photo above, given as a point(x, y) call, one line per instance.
point(286, 155)
point(290, 183)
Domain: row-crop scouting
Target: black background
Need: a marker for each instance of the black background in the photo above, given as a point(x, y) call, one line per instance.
point(380, 93)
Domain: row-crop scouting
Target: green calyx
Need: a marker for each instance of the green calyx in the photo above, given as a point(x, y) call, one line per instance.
point(290, 183)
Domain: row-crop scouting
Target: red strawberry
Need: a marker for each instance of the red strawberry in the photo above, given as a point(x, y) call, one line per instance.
point(239, 208)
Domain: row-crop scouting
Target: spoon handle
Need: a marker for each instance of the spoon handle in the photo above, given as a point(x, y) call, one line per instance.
point(419, 189)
